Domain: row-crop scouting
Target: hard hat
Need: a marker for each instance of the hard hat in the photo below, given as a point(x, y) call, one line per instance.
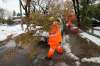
point(51, 18)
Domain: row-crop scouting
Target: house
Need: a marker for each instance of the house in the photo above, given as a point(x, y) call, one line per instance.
point(17, 19)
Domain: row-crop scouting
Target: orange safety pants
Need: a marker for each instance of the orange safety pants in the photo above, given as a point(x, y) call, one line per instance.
point(52, 49)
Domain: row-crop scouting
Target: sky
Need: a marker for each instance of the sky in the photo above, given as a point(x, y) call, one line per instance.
point(10, 5)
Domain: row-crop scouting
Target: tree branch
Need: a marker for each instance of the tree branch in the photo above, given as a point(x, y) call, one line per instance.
point(22, 4)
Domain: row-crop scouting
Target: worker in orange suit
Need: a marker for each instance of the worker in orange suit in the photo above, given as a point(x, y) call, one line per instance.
point(70, 18)
point(70, 21)
point(54, 39)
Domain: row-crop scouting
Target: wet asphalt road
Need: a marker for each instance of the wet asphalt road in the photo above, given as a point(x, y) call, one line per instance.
point(79, 46)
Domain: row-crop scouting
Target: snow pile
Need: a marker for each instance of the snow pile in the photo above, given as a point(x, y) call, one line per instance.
point(6, 30)
point(10, 44)
point(91, 38)
point(67, 49)
point(15, 30)
point(92, 59)
point(41, 33)
point(68, 52)
point(97, 32)
point(45, 34)
point(97, 27)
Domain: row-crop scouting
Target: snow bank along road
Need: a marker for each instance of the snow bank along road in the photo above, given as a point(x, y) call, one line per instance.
point(6, 30)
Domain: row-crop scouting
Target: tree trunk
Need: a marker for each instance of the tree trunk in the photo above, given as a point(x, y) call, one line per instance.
point(77, 11)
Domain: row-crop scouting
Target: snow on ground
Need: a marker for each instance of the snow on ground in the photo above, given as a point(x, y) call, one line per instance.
point(68, 52)
point(14, 30)
point(97, 32)
point(41, 33)
point(91, 38)
point(10, 44)
point(67, 48)
point(6, 30)
point(92, 59)
point(96, 41)
point(97, 27)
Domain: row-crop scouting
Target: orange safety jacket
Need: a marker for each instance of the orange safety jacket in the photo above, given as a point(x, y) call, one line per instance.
point(72, 18)
point(52, 38)
point(70, 21)
point(54, 34)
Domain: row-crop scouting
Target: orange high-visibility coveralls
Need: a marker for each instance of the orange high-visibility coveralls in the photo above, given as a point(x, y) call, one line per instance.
point(54, 40)
point(70, 20)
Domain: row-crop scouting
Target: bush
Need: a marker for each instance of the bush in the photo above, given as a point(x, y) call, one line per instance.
point(9, 22)
point(2, 21)
point(40, 20)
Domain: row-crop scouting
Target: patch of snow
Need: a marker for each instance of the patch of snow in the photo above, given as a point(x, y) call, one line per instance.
point(65, 39)
point(6, 30)
point(41, 33)
point(90, 37)
point(38, 27)
point(38, 33)
point(67, 49)
point(97, 27)
point(69, 54)
point(97, 2)
point(92, 59)
point(97, 32)
point(10, 44)
point(2, 36)
point(77, 63)
point(45, 34)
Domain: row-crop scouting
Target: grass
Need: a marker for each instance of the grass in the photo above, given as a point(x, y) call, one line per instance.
point(27, 41)
point(26, 38)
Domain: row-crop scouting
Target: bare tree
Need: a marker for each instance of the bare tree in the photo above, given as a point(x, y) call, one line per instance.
point(2, 13)
point(14, 13)
point(43, 5)
point(26, 6)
